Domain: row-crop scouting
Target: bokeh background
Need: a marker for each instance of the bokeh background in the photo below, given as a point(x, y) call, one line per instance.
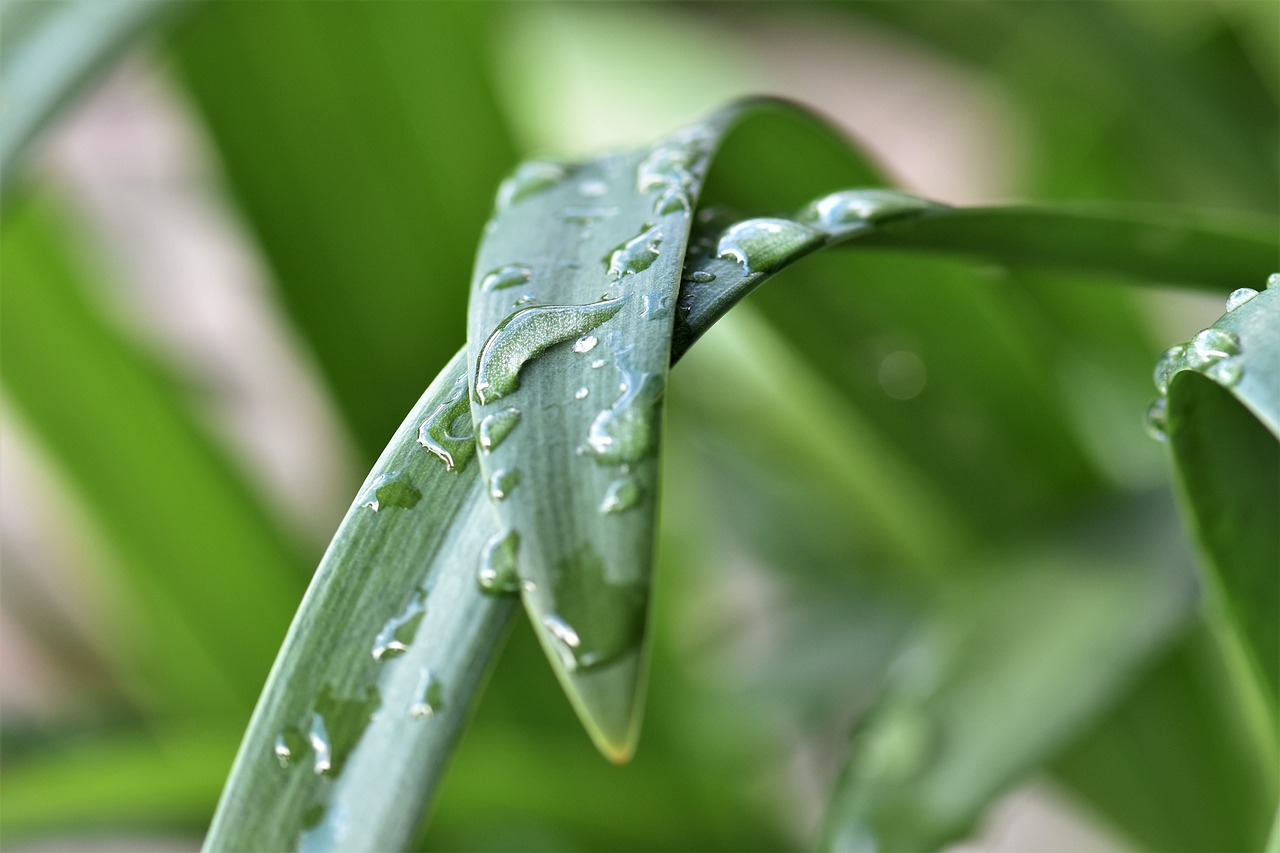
point(232, 262)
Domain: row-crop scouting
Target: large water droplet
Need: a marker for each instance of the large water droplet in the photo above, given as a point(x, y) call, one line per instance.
point(390, 489)
point(763, 244)
point(398, 632)
point(841, 211)
point(593, 621)
point(624, 431)
point(1240, 296)
point(511, 275)
point(447, 431)
point(1157, 420)
point(496, 427)
point(497, 575)
point(1226, 372)
point(623, 493)
point(635, 255)
point(527, 334)
point(1167, 365)
point(529, 178)
point(428, 696)
point(1212, 344)
point(503, 482)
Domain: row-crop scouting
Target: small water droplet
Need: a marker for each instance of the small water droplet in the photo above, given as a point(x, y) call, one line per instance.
point(700, 277)
point(585, 344)
point(841, 211)
point(566, 637)
point(597, 364)
point(1167, 365)
point(446, 431)
point(503, 482)
point(289, 746)
point(635, 255)
point(1227, 372)
point(593, 188)
point(527, 179)
point(588, 215)
point(1240, 296)
point(624, 431)
point(496, 427)
point(398, 632)
point(1157, 420)
point(528, 333)
point(762, 244)
point(623, 493)
point(673, 200)
point(581, 393)
point(497, 575)
point(1212, 344)
point(390, 489)
point(1273, 280)
point(428, 696)
point(318, 737)
point(511, 275)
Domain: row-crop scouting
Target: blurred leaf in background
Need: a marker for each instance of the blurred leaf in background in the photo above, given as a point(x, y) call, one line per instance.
point(356, 147)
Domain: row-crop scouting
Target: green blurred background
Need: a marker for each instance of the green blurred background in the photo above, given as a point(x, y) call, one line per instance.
point(232, 263)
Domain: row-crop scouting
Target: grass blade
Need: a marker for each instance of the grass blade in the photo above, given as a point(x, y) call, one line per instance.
point(1222, 417)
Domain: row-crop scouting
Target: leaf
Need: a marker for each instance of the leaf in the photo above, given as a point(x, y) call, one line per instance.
point(1223, 425)
point(205, 602)
point(53, 48)
point(1017, 662)
point(1172, 764)
point(361, 142)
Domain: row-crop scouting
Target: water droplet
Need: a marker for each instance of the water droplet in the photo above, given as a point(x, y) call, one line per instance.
point(446, 431)
point(390, 489)
point(318, 737)
point(635, 255)
point(497, 575)
point(1210, 345)
point(593, 188)
point(667, 166)
point(588, 215)
point(1273, 280)
point(623, 494)
point(397, 633)
point(511, 275)
point(673, 200)
point(529, 178)
point(496, 427)
point(700, 277)
point(527, 334)
point(1227, 372)
point(1167, 365)
point(581, 393)
point(762, 244)
point(655, 306)
point(1239, 297)
point(428, 696)
point(592, 621)
point(503, 482)
point(852, 208)
point(586, 343)
point(337, 725)
point(1157, 421)
point(525, 299)
point(597, 364)
point(289, 746)
point(902, 375)
point(624, 431)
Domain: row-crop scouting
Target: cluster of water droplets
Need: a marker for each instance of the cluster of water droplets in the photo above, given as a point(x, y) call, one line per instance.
point(672, 169)
point(1213, 352)
point(330, 731)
